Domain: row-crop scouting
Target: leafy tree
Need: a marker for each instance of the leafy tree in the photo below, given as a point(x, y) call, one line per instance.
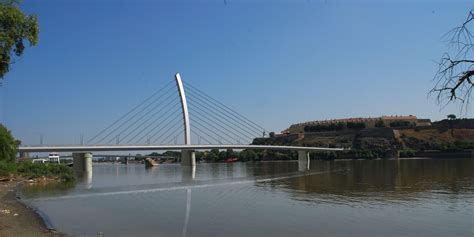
point(326, 127)
point(339, 126)
point(215, 151)
point(139, 157)
point(401, 124)
point(212, 156)
point(199, 155)
point(16, 27)
point(234, 154)
point(8, 145)
point(404, 153)
point(355, 125)
point(248, 155)
point(451, 117)
point(223, 155)
point(272, 134)
point(174, 154)
point(380, 124)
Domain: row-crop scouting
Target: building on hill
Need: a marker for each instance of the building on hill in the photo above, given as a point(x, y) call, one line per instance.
point(383, 121)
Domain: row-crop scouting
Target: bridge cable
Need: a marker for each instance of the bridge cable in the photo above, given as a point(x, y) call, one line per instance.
point(176, 116)
point(153, 122)
point(208, 142)
point(222, 135)
point(212, 99)
point(164, 129)
point(173, 132)
point(157, 105)
point(224, 127)
point(175, 113)
point(218, 135)
point(223, 113)
point(219, 124)
point(222, 110)
point(207, 134)
point(166, 132)
point(195, 99)
point(175, 135)
point(146, 123)
point(125, 115)
point(130, 118)
point(217, 114)
point(165, 124)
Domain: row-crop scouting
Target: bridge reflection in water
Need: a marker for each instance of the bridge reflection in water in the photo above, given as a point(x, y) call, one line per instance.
point(269, 198)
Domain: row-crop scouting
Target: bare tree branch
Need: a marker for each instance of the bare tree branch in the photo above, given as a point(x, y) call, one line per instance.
point(455, 76)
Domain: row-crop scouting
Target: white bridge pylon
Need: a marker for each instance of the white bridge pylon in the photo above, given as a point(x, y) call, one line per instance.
point(188, 157)
point(184, 107)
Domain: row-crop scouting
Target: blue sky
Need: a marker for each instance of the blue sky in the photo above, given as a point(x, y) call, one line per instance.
point(277, 62)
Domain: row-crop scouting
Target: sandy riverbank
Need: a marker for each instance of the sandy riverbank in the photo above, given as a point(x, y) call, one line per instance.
point(16, 219)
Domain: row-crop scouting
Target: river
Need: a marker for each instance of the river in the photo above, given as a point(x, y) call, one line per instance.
point(406, 197)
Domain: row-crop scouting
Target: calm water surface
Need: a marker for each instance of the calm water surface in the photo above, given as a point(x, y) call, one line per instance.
point(338, 198)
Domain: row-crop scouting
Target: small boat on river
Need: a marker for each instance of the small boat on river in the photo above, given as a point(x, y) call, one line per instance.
point(231, 160)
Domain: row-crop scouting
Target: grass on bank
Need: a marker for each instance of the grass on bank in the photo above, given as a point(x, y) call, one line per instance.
point(29, 170)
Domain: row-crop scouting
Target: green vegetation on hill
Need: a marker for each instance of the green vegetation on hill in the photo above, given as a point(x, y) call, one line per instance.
point(396, 124)
point(455, 123)
point(401, 138)
point(334, 127)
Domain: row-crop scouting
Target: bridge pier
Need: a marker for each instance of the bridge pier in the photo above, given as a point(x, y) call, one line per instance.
point(82, 162)
point(124, 160)
point(188, 158)
point(24, 154)
point(303, 160)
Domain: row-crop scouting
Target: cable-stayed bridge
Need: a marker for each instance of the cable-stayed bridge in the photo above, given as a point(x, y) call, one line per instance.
point(163, 122)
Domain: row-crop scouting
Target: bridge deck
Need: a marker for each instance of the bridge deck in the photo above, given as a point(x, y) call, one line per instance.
point(166, 147)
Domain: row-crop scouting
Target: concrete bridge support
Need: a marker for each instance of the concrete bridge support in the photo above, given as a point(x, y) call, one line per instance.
point(24, 154)
point(82, 162)
point(188, 158)
point(303, 160)
point(124, 160)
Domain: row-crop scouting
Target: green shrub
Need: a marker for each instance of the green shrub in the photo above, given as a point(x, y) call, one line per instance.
point(355, 125)
point(399, 123)
point(379, 124)
point(7, 168)
point(8, 145)
point(325, 127)
point(453, 147)
point(32, 170)
point(406, 153)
